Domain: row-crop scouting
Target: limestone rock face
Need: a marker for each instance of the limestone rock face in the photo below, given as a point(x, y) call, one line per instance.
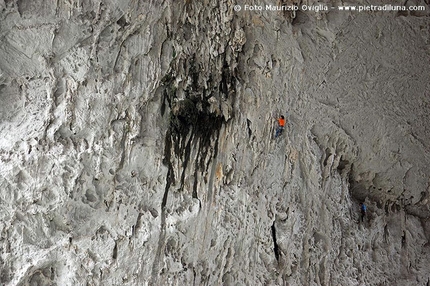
point(137, 144)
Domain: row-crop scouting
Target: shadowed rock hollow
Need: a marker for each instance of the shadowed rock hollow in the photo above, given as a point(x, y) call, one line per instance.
point(137, 144)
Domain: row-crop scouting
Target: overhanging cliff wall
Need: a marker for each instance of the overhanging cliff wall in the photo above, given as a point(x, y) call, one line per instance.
point(137, 145)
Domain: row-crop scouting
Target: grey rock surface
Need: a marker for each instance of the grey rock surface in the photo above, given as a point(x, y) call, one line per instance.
point(137, 144)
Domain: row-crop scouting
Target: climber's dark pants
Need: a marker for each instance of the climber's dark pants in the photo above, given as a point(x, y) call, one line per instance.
point(363, 214)
point(279, 131)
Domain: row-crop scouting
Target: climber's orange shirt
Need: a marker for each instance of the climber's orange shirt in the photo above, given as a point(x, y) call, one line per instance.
point(281, 122)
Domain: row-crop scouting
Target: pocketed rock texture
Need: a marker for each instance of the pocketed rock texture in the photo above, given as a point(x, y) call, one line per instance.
point(137, 144)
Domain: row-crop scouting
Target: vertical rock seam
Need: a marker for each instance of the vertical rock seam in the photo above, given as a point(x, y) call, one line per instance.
point(275, 244)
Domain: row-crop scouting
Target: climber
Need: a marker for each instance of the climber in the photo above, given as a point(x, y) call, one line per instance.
point(363, 210)
point(281, 125)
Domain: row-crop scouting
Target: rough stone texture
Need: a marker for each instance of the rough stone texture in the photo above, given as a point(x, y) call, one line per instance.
point(136, 145)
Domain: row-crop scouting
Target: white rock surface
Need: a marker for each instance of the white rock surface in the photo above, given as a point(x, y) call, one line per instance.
point(136, 144)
